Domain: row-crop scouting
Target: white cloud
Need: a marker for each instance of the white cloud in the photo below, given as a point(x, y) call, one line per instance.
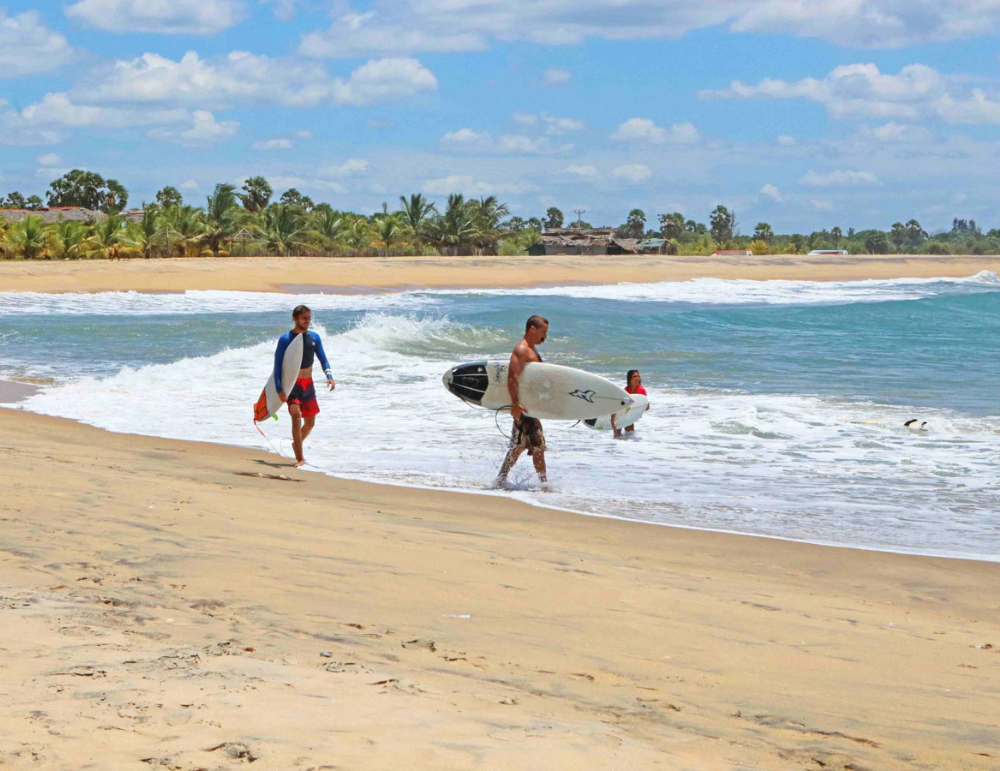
point(838, 178)
point(552, 124)
point(355, 167)
point(786, 140)
point(555, 76)
point(977, 109)
point(633, 172)
point(519, 143)
point(307, 184)
point(645, 130)
point(821, 205)
point(411, 26)
point(49, 160)
point(172, 17)
point(59, 110)
point(189, 184)
point(283, 9)
point(466, 138)
point(384, 80)
point(773, 193)
point(855, 91)
point(303, 134)
point(272, 144)
point(204, 130)
point(897, 133)
point(584, 170)
point(468, 186)
point(27, 46)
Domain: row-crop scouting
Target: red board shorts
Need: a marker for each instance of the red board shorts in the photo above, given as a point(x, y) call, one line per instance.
point(304, 393)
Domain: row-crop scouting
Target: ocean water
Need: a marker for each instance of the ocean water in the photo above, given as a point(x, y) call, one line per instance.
point(777, 407)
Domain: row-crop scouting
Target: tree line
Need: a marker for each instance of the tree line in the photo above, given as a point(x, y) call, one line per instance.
point(251, 221)
point(248, 221)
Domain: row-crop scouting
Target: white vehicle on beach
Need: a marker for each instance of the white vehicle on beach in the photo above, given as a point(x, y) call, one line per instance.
point(828, 251)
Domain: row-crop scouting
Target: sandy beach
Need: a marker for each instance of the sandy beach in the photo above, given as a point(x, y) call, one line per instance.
point(315, 274)
point(186, 606)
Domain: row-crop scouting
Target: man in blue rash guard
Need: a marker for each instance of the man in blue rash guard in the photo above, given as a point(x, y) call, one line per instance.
point(301, 399)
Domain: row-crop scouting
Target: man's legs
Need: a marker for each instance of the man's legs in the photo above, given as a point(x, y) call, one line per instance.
point(307, 425)
point(295, 410)
point(508, 463)
point(538, 458)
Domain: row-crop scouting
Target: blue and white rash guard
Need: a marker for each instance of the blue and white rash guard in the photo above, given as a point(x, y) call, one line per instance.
point(311, 346)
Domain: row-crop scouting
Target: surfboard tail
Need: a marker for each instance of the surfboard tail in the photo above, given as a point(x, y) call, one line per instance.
point(260, 411)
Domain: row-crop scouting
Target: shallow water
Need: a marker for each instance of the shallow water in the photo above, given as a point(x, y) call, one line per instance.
point(778, 407)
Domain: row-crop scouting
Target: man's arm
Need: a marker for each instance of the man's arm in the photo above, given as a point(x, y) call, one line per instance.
point(514, 370)
point(323, 360)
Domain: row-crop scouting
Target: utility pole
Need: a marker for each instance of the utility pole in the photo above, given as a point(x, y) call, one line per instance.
point(579, 215)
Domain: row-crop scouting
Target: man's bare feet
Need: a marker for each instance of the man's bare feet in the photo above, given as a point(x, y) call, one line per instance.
point(299, 463)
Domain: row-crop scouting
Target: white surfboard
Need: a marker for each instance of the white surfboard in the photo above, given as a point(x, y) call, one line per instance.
point(628, 416)
point(547, 391)
point(269, 402)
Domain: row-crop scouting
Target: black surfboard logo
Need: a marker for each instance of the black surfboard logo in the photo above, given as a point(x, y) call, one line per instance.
point(587, 396)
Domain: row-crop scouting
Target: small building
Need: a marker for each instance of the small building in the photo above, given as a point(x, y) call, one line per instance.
point(582, 241)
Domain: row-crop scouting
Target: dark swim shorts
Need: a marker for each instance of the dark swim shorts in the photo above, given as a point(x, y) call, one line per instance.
point(304, 393)
point(527, 432)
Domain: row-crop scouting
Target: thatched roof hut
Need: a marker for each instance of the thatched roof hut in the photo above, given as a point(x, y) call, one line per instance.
point(583, 241)
point(54, 214)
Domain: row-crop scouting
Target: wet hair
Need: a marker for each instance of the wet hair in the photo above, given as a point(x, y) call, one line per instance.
point(298, 310)
point(628, 377)
point(534, 322)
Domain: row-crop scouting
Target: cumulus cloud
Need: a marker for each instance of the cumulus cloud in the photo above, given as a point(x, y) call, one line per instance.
point(897, 133)
point(355, 167)
point(861, 91)
point(204, 130)
point(584, 170)
point(555, 76)
point(283, 9)
point(838, 178)
point(412, 26)
point(51, 159)
point(189, 184)
point(470, 187)
point(466, 138)
point(772, 192)
point(27, 46)
point(272, 144)
point(552, 124)
point(172, 17)
point(645, 130)
point(633, 172)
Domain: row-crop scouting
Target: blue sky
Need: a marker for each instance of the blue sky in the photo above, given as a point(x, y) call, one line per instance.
point(802, 113)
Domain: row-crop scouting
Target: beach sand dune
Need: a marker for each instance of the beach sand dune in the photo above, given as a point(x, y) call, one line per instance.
point(185, 606)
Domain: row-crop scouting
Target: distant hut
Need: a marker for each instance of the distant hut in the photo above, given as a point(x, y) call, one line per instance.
point(55, 214)
point(582, 241)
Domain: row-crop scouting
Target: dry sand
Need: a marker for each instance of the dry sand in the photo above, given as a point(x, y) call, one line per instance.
point(175, 605)
point(360, 274)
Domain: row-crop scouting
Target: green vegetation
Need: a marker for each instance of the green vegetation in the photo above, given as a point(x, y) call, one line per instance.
point(249, 221)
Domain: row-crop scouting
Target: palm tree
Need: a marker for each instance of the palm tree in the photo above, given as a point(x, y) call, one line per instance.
point(325, 226)
point(487, 214)
point(281, 228)
point(417, 215)
point(223, 217)
point(454, 229)
point(182, 225)
point(388, 231)
point(67, 239)
point(357, 236)
point(146, 234)
point(26, 238)
point(106, 235)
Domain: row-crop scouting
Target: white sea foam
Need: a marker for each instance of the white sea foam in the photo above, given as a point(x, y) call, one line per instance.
point(817, 469)
point(699, 291)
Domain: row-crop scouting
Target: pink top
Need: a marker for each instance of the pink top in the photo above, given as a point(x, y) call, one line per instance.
point(639, 390)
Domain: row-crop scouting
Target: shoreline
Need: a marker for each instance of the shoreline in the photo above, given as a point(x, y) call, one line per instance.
point(391, 274)
point(368, 625)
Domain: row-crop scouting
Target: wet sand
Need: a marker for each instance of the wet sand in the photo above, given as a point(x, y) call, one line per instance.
point(315, 274)
point(177, 605)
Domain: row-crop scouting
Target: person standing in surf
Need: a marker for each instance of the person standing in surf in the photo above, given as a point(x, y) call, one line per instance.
point(301, 399)
point(526, 433)
point(633, 384)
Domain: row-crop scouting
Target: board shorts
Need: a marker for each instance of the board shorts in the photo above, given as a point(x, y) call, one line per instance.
point(527, 433)
point(304, 394)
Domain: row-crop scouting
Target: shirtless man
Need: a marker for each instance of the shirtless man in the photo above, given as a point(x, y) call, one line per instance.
point(301, 399)
point(527, 431)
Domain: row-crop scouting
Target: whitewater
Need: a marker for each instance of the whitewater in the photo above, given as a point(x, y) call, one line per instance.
point(778, 407)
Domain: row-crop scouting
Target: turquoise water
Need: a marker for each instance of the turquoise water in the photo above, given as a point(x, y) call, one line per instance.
point(778, 407)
